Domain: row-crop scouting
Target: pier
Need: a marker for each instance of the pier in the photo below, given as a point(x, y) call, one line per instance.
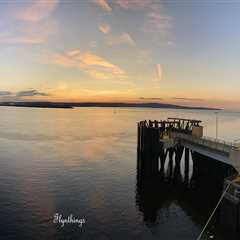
point(175, 141)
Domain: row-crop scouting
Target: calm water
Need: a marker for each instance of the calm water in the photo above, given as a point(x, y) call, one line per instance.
point(83, 162)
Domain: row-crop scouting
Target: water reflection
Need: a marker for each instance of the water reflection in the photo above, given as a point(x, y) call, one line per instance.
point(83, 162)
point(179, 191)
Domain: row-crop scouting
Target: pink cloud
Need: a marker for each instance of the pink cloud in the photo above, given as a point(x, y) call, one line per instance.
point(124, 38)
point(36, 11)
point(32, 25)
point(105, 28)
point(104, 5)
point(134, 4)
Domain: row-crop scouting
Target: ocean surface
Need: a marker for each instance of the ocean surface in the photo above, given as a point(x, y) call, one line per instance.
point(83, 162)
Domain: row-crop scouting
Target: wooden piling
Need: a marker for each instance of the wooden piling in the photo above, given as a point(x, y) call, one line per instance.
point(152, 154)
point(170, 165)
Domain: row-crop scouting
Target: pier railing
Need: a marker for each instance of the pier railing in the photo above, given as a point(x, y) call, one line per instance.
point(208, 142)
point(186, 135)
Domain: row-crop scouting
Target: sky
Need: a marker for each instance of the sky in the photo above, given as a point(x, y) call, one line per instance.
point(174, 51)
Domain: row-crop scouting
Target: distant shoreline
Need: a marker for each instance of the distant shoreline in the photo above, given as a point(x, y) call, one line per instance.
point(70, 105)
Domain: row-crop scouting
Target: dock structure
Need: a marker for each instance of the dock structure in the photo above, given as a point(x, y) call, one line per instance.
point(177, 139)
point(174, 136)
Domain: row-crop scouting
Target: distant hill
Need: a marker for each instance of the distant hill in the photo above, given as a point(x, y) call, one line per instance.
point(98, 104)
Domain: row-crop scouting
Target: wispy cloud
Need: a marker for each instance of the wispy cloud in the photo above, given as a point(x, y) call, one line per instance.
point(22, 39)
point(158, 22)
point(133, 4)
point(159, 72)
point(104, 5)
point(21, 95)
point(124, 4)
point(93, 65)
point(31, 23)
point(105, 28)
point(36, 11)
point(5, 93)
point(124, 38)
point(90, 59)
point(31, 93)
point(33, 34)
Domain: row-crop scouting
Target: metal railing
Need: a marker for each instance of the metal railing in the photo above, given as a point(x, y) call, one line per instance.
point(208, 142)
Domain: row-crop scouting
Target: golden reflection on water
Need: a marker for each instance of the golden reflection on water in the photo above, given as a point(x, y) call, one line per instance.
point(84, 153)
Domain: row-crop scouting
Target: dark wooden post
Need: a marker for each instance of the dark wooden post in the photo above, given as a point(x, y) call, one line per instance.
point(179, 152)
point(154, 145)
point(178, 156)
point(170, 161)
point(138, 136)
point(146, 152)
point(148, 148)
point(162, 160)
point(196, 167)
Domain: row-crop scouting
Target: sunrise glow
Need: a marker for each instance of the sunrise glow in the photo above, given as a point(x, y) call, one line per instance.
point(122, 50)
